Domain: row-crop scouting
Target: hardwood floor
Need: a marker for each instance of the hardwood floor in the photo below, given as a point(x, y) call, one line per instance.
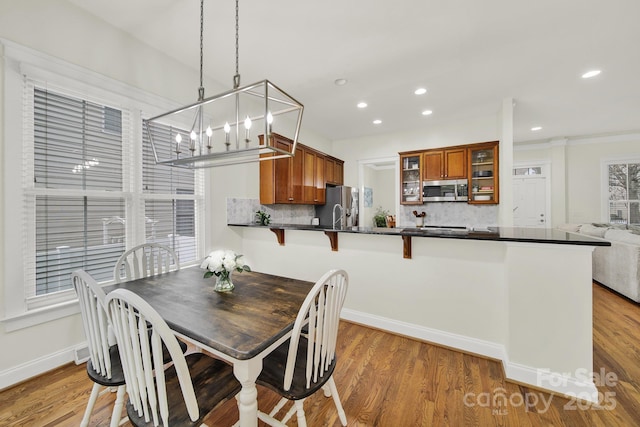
point(388, 380)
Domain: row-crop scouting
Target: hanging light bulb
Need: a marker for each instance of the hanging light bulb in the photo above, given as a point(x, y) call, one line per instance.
point(178, 141)
point(269, 121)
point(192, 143)
point(209, 133)
point(247, 126)
point(227, 129)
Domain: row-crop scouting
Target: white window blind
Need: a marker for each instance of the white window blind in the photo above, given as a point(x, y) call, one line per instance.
point(83, 208)
point(170, 199)
point(77, 185)
point(624, 193)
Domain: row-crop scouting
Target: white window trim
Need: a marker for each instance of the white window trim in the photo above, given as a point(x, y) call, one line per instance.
point(604, 182)
point(17, 62)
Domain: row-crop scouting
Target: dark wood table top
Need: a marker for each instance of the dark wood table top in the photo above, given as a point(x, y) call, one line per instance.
point(261, 309)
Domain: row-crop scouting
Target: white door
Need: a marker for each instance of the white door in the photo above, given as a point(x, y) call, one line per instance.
point(530, 202)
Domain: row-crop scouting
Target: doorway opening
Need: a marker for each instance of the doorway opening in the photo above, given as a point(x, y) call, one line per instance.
point(378, 181)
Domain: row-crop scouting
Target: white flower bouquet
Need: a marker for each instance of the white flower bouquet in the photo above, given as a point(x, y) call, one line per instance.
point(222, 262)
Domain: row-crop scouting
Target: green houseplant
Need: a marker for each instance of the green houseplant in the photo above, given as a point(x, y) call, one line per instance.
point(380, 217)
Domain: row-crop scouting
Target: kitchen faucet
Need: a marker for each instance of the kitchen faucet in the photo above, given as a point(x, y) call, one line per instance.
point(337, 205)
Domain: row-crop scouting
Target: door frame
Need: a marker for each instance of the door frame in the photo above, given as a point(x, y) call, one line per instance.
point(545, 167)
point(362, 163)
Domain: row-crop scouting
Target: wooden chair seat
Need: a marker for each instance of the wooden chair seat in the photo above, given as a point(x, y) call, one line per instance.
point(272, 375)
point(180, 395)
point(305, 363)
point(213, 381)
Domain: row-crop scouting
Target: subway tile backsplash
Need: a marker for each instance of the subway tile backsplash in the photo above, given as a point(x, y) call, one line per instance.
point(242, 211)
point(449, 214)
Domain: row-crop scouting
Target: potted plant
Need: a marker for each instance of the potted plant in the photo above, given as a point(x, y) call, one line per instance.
point(380, 218)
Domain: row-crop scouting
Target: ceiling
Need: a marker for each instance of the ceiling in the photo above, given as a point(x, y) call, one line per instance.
point(468, 54)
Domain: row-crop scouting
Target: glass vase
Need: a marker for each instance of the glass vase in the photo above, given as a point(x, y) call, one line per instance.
point(223, 282)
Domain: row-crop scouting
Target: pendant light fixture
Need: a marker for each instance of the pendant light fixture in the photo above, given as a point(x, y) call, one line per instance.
point(223, 129)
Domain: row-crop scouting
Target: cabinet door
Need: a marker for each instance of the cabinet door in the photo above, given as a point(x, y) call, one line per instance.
point(308, 177)
point(410, 184)
point(297, 178)
point(432, 165)
point(320, 181)
point(282, 174)
point(455, 165)
point(483, 173)
point(329, 167)
point(338, 172)
point(275, 174)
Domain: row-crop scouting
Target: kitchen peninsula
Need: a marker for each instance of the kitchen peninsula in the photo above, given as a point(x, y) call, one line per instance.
point(515, 294)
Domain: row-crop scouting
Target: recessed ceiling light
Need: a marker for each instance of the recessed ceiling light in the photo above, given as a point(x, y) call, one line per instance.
point(377, 121)
point(362, 105)
point(427, 112)
point(590, 74)
point(340, 82)
point(420, 91)
point(536, 128)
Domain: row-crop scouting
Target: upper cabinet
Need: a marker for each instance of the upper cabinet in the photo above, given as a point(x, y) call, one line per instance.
point(300, 179)
point(475, 163)
point(333, 170)
point(444, 164)
point(483, 173)
point(410, 185)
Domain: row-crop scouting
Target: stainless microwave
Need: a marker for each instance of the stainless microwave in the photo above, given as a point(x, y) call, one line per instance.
point(452, 190)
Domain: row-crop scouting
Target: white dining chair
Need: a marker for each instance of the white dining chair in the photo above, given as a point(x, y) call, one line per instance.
point(104, 367)
point(146, 260)
point(183, 394)
point(305, 363)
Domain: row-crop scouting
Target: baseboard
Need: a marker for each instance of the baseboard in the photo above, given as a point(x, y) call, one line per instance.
point(553, 382)
point(39, 366)
point(458, 342)
point(582, 388)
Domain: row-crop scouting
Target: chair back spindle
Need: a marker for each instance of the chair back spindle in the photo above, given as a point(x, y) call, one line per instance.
point(146, 260)
point(134, 321)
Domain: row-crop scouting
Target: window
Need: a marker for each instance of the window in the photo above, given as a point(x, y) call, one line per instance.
point(624, 193)
point(82, 197)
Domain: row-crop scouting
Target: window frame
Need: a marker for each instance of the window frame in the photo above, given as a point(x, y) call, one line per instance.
point(19, 64)
point(605, 214)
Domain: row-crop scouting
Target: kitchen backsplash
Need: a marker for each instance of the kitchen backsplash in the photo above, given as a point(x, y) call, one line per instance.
point(449, 214)
point(242, 211)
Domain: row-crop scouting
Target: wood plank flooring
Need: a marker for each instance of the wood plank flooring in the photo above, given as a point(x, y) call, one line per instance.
point(388, 380)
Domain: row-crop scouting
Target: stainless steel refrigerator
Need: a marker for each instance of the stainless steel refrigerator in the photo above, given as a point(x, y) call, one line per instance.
point(346, 215)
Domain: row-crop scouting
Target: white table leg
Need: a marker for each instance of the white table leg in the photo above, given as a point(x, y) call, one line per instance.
point(246, 371)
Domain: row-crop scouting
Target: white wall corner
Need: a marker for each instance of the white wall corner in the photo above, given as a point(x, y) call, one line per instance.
point(505, 207)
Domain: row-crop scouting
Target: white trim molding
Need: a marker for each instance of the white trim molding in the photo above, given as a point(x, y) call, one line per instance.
point(573, 385)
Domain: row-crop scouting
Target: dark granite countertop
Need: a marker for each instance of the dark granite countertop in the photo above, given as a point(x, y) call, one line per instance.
point(509, 234)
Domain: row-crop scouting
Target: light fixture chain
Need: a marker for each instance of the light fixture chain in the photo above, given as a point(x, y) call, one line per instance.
point(236, 78)
point(201, 88)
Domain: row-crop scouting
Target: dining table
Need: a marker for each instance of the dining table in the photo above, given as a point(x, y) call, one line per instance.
point(241, 327)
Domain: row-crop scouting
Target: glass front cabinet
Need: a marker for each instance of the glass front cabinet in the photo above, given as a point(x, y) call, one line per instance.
point(410, 186)
point(483, 173)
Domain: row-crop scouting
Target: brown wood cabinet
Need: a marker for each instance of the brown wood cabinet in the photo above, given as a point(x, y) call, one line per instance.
point(300, 179)
point(477, 163)
point(483, 173)
point(313, 176)
point(334, 170)
point(444, 164)
point(410, 184)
